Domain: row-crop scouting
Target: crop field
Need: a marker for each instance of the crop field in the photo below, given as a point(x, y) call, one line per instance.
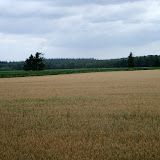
point(87, 116)
point(10, 74)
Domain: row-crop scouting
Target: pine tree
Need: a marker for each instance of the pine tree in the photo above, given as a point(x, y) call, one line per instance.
point(131, 61)
point(34, 63)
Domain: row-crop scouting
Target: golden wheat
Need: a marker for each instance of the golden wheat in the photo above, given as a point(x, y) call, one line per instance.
point(110, 115)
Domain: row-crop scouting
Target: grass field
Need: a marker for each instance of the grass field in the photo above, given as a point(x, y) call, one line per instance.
point(90, 116)
point(10, 74)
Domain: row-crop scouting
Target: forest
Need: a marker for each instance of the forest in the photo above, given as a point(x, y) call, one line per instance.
point(67, 63)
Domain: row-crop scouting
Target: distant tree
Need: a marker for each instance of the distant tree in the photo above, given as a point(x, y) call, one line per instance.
point(131, 61)
point(29, 63)
point(34, 63)
point(38, 62)
point(156, 61)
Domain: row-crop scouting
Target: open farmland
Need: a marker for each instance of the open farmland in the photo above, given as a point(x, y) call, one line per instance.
point(107, 115)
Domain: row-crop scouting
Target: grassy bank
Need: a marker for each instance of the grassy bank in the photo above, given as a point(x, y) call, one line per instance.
point(10, 74)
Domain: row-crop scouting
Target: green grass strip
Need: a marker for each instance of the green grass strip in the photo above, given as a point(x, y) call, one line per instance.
point(10, 74)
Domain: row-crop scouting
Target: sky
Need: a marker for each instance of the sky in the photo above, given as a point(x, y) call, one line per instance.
point(101, 29)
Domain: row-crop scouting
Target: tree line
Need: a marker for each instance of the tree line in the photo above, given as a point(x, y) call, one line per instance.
point(67, 63)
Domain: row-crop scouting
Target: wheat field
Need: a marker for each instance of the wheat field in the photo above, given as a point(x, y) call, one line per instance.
point(90, 116)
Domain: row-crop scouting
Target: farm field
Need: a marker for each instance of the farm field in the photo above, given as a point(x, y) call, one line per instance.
point(99, 116)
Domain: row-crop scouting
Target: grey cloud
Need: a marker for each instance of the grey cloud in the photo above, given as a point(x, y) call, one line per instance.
point(21, 26)
point(43, 18)
point(90, 26)
point(25, 9)
point(82, 2)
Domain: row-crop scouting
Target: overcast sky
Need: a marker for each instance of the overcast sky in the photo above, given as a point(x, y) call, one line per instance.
point(100, 29)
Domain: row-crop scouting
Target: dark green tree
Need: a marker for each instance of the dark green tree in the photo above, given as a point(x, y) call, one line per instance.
point(156, 61)
point(34, 63)
point(38, 62)
point(131, 61)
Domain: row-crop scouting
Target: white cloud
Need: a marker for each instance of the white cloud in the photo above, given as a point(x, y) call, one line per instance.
point(67, 28)
point(17, 47)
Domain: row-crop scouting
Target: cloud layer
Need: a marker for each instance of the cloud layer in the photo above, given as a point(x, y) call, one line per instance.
point(81, 28)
